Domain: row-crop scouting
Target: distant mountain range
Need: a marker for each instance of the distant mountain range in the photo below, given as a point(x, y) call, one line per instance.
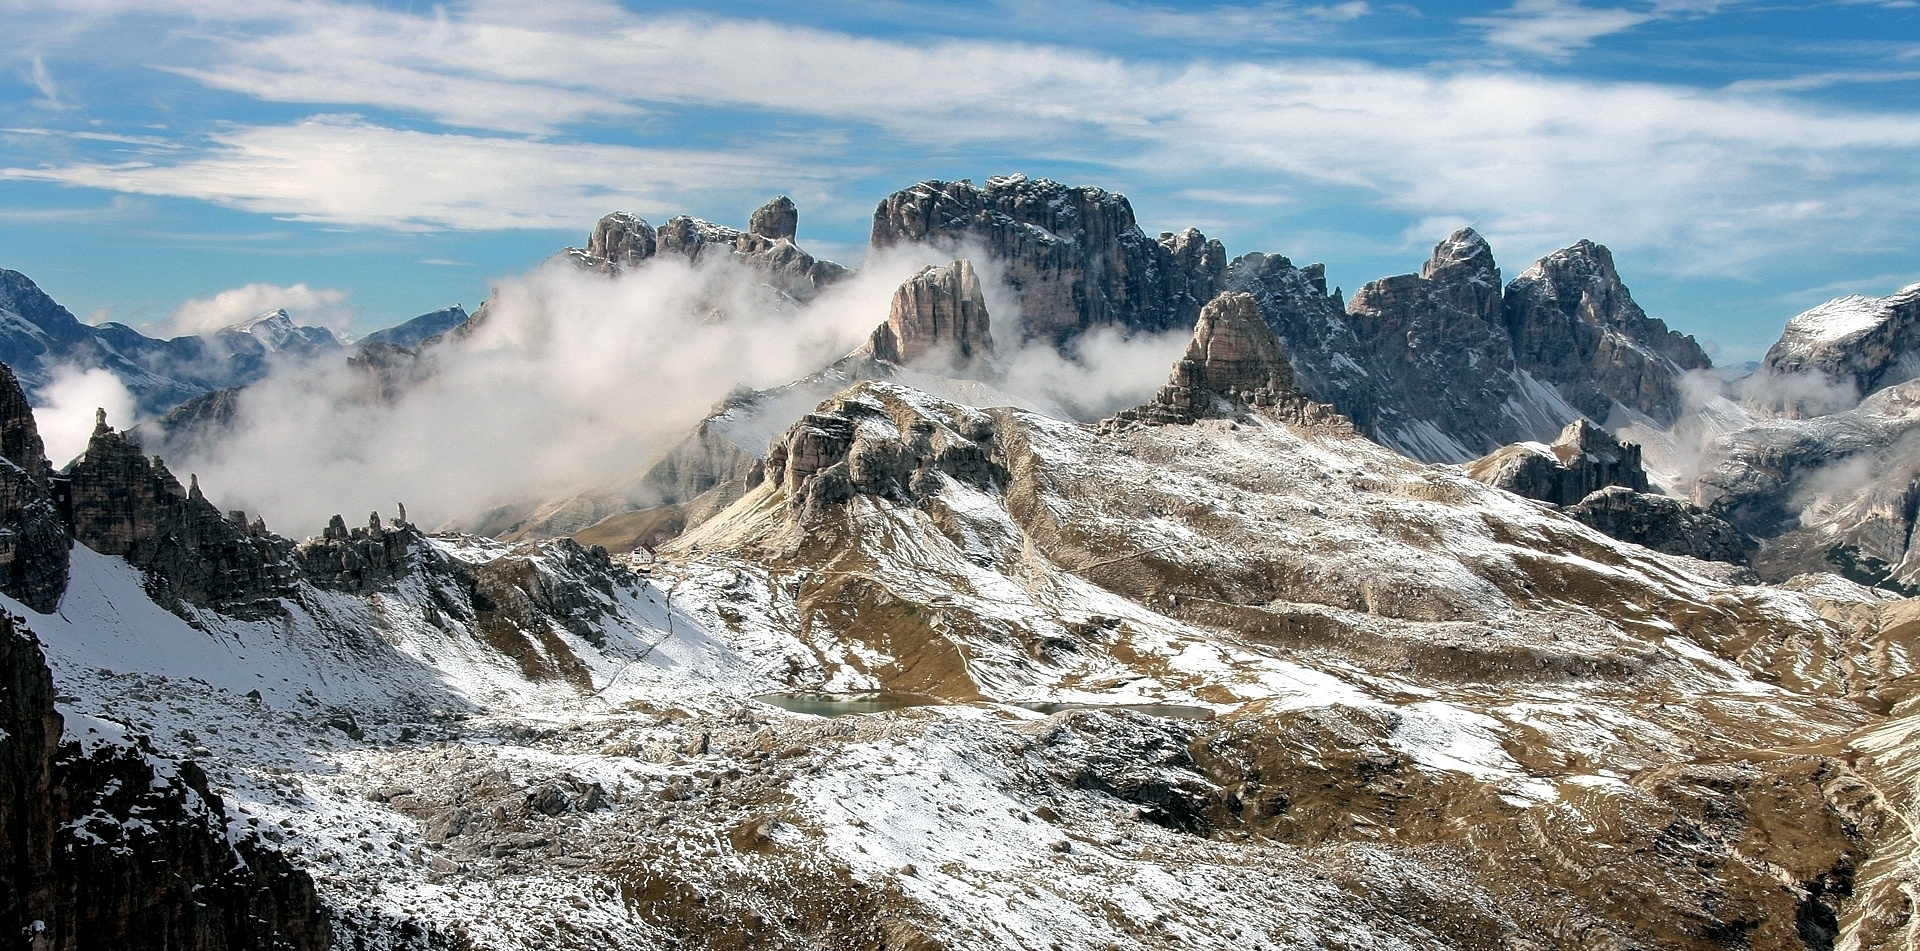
point(37, 335)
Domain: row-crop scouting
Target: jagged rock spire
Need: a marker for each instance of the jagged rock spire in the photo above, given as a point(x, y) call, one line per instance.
point(940, 308)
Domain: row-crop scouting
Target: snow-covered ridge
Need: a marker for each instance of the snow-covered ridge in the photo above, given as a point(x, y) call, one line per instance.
point(1842, 318)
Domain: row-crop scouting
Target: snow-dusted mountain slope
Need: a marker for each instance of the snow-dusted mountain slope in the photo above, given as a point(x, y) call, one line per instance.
point(1246, 681)
point(1412, 678)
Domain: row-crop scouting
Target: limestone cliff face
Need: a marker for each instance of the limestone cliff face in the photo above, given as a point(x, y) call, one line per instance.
point(1074, 256)
point(1575, 326)
point(1312, 327)
point(1434, 345)
point(33, 537)
point(622, 241)
point(360, 560)
point(1585, 459)
point(1233, 365)
point(76, 875)
point(128, 505)
point(1447, 365)
point(938, 309)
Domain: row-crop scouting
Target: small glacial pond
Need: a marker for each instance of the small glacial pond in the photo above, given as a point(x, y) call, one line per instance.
point(844, 704)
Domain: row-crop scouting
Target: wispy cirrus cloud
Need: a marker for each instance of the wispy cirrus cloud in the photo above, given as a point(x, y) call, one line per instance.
point(1555, 28)
point(345, 171)
point(493, 115)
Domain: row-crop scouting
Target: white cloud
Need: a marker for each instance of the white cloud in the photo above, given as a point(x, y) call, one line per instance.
point(68, 402)
point(310, 306)
point(1711, 179)
point(43, 81)
point(1555, 27)
point(343, 170)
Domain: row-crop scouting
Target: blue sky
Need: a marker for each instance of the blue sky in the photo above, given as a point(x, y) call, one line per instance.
point(168, 162)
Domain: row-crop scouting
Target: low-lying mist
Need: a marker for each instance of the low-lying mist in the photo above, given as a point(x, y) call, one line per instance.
point(575, 380)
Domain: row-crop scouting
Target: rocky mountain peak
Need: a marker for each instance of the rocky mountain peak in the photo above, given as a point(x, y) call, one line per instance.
point(938, 309)
point(776, 219)
point(1575, 325)
point(33, 538)
point(883, 440)
point(620, 240)
point(1464, 255)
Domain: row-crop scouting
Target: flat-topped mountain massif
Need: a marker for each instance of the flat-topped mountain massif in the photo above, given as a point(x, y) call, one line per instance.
point(1461, 613)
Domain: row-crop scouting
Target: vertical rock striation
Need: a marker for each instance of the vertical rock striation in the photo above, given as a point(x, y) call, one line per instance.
point(1575, 326)
point(1073, 256)
point(775, 220)
point(940, 309)
point(1233, 365)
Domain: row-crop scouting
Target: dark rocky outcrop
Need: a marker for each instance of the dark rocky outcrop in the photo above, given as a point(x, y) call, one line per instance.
point(360, 560)
point(77, 873)
point(1312, 328)
point(940, 309)
point(1663, 524)
point(125, 504)
point(622, 241)
point(775, 220)
point(1841, 352)
point(1435, 349)
point(869, 441)
point(1575, 326)
point(1073, 256)
point(1233, 365)
point(1584, 460)
point(34, 539)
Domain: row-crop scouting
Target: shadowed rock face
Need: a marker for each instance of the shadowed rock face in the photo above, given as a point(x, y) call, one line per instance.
point(776, 219)
point(1445, 365)
point(620, 241)
point(33, 537)
point(1074, 256)
point(940, 308)
point(125, 504)
point(871, 441)
point(1663, 524)
point(74, 877)
point(1233, 364)
point(1575, 326)
point(1585, 459)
